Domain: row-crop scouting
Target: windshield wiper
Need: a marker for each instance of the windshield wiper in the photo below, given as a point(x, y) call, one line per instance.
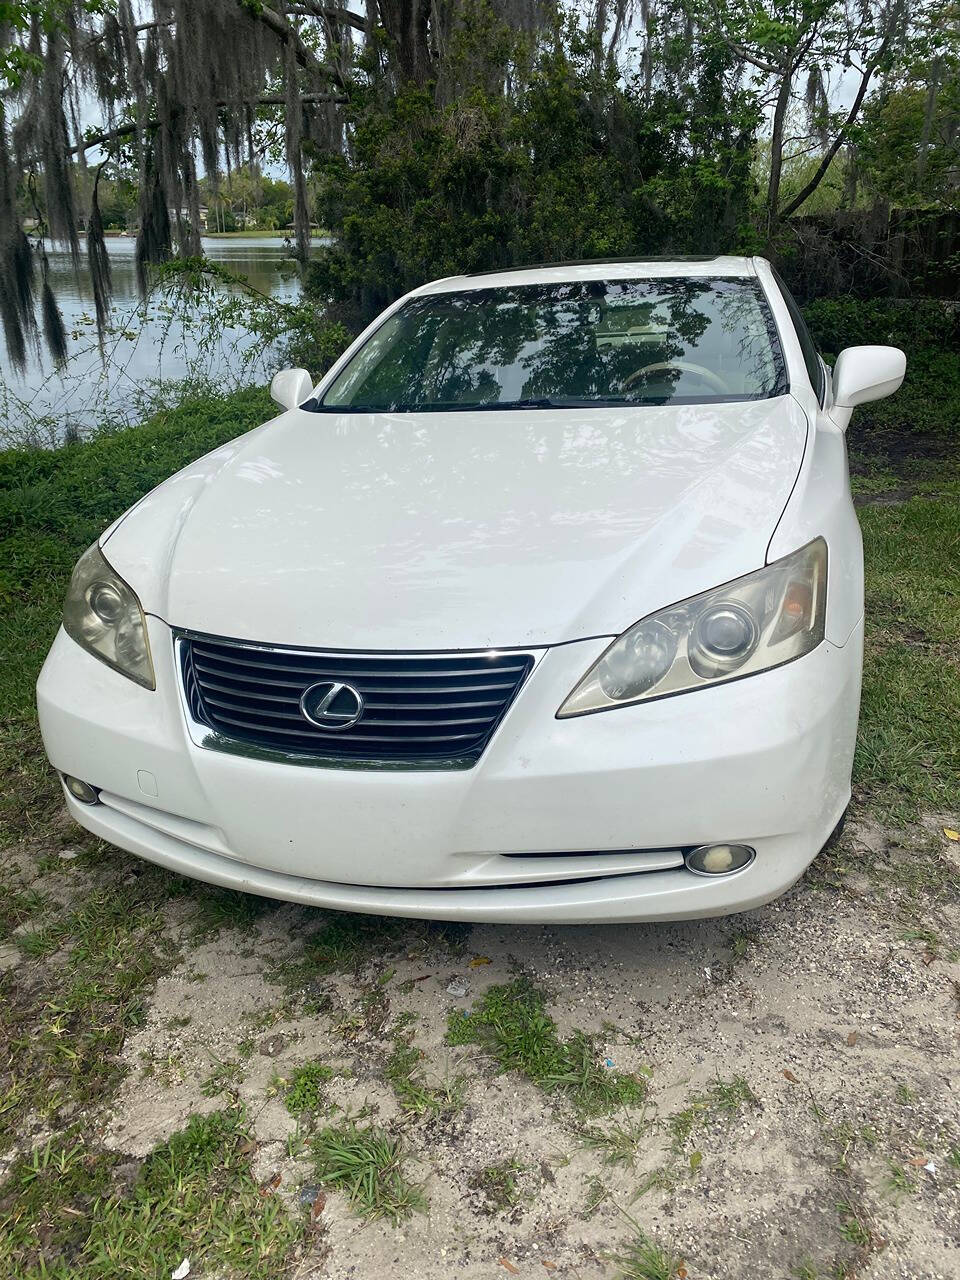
point(530, 402)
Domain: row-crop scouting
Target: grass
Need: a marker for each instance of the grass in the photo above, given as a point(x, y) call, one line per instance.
point(724, 1100)
point(908, 752)
point(511, 1024)
point(305, 1090)
point(415, 1093)
point(347, 943)
point(618, 1142)
point(646, 1259)
point(93, 965)
point(367, 1166)
point(498, 1185)
point(194, 1196)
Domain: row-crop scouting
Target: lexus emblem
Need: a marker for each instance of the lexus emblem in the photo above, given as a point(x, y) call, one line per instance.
point(332, 706)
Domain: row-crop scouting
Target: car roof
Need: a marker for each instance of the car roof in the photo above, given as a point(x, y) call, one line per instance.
point(596, 269)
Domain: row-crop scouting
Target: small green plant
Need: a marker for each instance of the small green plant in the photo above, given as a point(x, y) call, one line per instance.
point(224, 1078)
point(646, 1259)
point(724, 1099)
point(414, 1092)
point(305, 1088)
point(898, 1179)
point(367, 1165)
point(597, 1193)
point(618, 1142)
point(511, 1024)
point(805, 1270)
point(853, 1228)
point(497, 1183)
point(663, 1178)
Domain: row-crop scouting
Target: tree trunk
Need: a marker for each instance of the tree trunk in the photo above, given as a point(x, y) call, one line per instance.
point(406, 23)
point(776, 148)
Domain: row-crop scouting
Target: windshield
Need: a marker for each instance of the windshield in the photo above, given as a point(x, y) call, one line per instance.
point(576, 344)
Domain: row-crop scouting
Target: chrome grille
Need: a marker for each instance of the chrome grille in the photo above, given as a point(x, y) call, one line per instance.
point(417, 708)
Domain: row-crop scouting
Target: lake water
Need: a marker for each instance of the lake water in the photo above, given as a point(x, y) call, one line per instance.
point(159, 343)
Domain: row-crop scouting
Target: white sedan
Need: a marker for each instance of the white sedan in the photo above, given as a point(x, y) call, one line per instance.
point(545, 604)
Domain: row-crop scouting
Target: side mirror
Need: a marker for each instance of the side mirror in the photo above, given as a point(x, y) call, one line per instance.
point(862, 374)
point(290, 387)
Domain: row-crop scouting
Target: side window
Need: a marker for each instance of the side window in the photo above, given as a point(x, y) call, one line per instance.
point(810, 357)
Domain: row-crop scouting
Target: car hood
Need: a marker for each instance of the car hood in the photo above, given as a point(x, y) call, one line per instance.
point(461, 530)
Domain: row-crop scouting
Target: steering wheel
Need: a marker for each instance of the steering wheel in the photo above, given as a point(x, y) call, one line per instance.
point(709, 377)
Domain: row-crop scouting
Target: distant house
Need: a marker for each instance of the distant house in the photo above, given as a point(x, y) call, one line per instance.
point(185, 216)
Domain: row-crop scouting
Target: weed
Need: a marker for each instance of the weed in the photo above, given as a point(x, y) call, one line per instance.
point(194, 1196)
point(743, 942)
point(63, 1029)
point(619, 1142)
point(899, 1180)
point(17, 905)
point(597, 1193)
point(219, 909)
point(661, 1179)
point(497, 1183)
point(853, 1228)
point(305, 1089)
point(511, 1024)
point(646, 1259)
point(405, 1073)
point(723, 1100)
point(805, 1270)
point(346, 943)
point(367, 1165)
point(224, 1078)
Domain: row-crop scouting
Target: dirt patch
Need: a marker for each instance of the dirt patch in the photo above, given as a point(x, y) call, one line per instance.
point(803, 1069)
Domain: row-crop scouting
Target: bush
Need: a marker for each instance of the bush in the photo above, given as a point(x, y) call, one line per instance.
point(928, 331)
point(914, 325)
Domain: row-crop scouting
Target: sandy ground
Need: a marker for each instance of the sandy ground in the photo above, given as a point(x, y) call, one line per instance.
point(843, 1022)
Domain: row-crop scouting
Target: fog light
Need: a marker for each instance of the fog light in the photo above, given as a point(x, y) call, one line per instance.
point(80, 790)
point(719, 859)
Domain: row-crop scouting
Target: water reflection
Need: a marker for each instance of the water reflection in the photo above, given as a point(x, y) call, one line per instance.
point(164, 344)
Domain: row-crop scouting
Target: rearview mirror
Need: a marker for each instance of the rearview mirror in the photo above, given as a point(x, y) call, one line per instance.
point(290, 387)
point(862, 374)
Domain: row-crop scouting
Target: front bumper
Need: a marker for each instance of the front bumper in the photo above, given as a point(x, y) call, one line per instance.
point(561, 820)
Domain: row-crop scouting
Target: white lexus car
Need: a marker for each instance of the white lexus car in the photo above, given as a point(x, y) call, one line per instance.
point(545, 604)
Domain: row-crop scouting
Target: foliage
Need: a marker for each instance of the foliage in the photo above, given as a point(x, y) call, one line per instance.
point(453, 134)
point(646, 1259)
point(367, 1165)
point(247, 198)
point(306, 1088)
point(511, 1024)
point(194, 1196)
point(300, 333)
point(927, 330)
point(578, 163)
point(53, 503)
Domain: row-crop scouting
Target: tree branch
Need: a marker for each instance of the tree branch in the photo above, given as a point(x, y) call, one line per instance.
point(316, 9)
point(266, 100)
point(305, 56)
point(808, 188)
point(767, 67)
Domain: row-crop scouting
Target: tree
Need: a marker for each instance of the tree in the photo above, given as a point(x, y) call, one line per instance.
point(908, 149)
point(790, 45)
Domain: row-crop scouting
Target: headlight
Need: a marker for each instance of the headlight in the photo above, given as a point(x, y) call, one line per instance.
point(749, 625)
point(104, 616)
